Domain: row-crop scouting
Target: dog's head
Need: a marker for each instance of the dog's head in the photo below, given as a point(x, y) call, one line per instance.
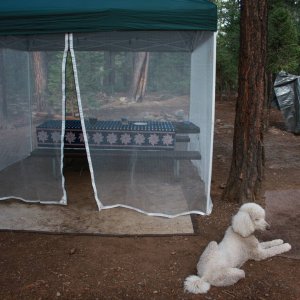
point(249, 218)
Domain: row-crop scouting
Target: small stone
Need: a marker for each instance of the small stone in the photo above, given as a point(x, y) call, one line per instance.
point(58, 294)
point(155, 292)
point(72, 251)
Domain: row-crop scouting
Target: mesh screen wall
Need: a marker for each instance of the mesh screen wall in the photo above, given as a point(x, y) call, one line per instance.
point(31, 92)
point(142, 109)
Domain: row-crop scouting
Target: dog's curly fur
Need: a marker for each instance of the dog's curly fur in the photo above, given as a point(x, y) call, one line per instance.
point(219, 264)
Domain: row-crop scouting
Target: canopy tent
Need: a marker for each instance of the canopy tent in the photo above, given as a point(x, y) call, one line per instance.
point(153, 156)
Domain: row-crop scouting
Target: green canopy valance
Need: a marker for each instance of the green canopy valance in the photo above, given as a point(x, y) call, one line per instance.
point(54, 16)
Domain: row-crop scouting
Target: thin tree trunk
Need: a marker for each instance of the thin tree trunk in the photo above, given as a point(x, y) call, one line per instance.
point(140, 76)
point(109, 78)
point(270, 96)
point(246, 173)
point(71, 97)
point(40, 75)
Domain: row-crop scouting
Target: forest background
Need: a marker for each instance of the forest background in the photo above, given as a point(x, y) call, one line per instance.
point(282, 49)
point(134, 74)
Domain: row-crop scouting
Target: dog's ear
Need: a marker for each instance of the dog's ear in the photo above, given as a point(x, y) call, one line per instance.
point(242, 224)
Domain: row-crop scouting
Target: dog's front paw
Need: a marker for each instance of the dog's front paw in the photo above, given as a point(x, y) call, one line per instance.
point(286, 247)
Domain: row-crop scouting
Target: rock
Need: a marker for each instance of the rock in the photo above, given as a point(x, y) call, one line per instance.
point(72, 251)
point(123, 99)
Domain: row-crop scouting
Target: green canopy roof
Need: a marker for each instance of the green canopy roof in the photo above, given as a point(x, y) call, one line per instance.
point(53, 16)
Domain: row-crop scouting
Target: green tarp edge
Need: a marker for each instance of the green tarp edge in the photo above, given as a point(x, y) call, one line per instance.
point(40, 17)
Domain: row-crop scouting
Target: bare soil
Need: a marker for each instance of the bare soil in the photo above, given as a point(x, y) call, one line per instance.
point(41, 266)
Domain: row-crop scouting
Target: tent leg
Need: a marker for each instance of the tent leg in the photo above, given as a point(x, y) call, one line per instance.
point(54, 166)
point(176, 167)
point(132, 163)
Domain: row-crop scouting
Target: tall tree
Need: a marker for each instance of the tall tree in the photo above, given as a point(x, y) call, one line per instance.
point(40, 78)
point(227, 46)
point(140, 75)
point(71, 96)
point(283, 48)
point(109, 72)
point(246, 172)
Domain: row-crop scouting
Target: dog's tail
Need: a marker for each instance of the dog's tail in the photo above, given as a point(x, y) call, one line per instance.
point(196, 285)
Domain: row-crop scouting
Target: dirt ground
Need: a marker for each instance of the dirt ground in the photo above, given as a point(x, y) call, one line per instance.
point(41, 266)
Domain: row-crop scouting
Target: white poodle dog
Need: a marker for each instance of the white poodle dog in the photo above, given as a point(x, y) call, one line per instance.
point(219, 264)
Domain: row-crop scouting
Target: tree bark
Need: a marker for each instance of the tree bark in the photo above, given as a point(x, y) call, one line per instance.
point(246, 172)
point(140, 75)
point(71, 97)
point(40, 78)
point(109, 77)
point(270, 96)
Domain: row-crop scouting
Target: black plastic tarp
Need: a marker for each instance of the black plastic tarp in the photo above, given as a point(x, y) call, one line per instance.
point(287, 91)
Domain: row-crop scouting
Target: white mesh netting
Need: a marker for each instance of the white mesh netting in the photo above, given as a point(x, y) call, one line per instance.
point(137, 118)
point(31, 95)
point(134, 102)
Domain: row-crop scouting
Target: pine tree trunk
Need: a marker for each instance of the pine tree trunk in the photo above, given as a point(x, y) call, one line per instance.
point(40, 78)
point(71, 97)
point(109, 78)
point(270, 96)
point(246, 173)
point(140, 74)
